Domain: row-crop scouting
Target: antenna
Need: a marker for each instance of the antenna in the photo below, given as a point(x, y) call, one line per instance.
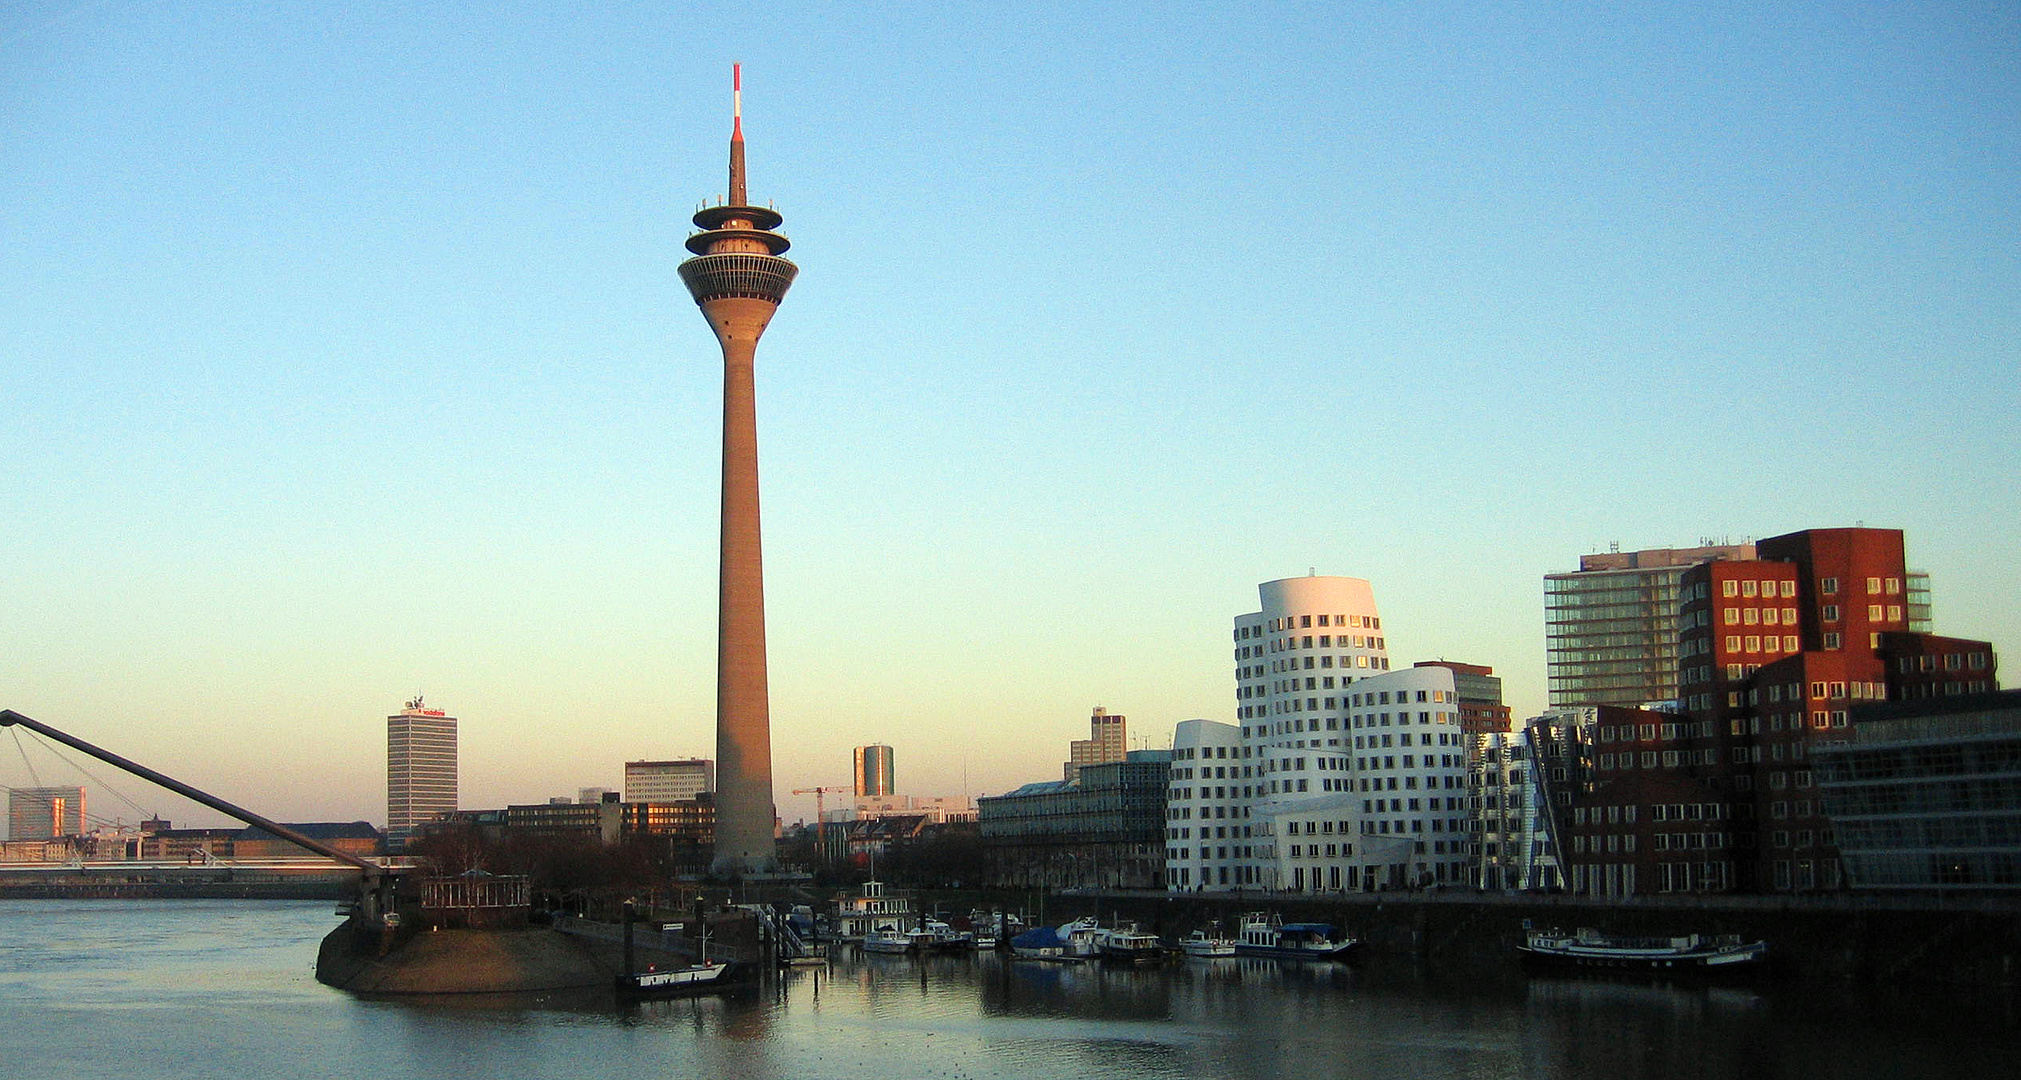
point(737, 197)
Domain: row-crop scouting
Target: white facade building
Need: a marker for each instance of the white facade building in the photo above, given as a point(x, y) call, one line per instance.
point(1341, 774)
point(1206, 807)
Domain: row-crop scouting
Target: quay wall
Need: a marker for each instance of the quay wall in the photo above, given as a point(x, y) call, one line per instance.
point(1965, 943)
point(114, 882)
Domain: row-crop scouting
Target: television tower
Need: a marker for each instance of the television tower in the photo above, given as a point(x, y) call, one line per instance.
point(738, 279)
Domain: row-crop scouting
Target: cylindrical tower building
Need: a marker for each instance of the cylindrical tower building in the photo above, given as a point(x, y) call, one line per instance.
point(738, 279)
point(873, 771)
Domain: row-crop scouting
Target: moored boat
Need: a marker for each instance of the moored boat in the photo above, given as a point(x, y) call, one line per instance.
point(1590, 948)
point(1264, 934)
point(1083, 938)
point(1128, 945)
point(1038, 943)
point(1201, 943)
point(946, 938)
point(892, 939)
point(706, 977)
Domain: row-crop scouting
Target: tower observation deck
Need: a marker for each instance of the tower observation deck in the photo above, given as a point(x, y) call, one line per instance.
point(738, 278)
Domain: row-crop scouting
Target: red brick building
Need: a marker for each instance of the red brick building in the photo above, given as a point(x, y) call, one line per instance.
point(1775, 651)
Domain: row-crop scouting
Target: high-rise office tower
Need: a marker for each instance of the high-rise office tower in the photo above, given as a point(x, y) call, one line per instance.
point(737, 279)
point(45, 813)
point(1610, 628)
point(668, 781)
point(1107, 741)
point(420, 770)
point(873, 771)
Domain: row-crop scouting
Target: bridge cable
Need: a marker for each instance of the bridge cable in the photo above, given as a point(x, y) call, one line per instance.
point(103, 785)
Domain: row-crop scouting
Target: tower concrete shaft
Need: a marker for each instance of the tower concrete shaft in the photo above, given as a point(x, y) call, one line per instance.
point(737, 279)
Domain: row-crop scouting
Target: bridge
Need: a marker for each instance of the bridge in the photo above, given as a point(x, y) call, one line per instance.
point(373, 882)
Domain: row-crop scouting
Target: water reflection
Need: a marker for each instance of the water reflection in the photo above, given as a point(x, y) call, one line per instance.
point(131, 974)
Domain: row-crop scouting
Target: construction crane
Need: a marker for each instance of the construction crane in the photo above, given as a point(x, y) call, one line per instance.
point(820, 816)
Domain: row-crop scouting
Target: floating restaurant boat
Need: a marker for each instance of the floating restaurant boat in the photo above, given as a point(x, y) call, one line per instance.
point(1590, 948)
point(855, 917)
point(1201, 943)
point(1128, 945)
point(1264, 934)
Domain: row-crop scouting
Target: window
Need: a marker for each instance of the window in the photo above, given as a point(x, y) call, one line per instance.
point(1831, 613)
point(1829, 586)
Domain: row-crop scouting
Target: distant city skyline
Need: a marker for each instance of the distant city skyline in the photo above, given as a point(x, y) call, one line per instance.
point(344, 355)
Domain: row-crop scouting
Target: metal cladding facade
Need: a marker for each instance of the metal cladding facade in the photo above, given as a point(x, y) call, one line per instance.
point(873, 771)
point(737, 279)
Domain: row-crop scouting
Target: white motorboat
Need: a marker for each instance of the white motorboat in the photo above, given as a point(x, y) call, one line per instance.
point(1201, 943)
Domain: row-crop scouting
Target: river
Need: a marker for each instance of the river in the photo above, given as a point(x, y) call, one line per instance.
point(166, 989)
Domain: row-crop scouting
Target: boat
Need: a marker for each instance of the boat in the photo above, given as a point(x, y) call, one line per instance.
point(854, 917)
point(1264, 934)
point(1591, 948)
point(946, 938)
point(1082, 938)
point(990, 929)
point(707, 976)
point(1038, 943)
point(1201, 943)
point(1125, 944)
point(891, 939)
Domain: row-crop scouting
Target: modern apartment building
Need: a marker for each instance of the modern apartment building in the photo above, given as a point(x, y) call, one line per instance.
point(420, 770)
point(1776, 653)
point(1610, 628)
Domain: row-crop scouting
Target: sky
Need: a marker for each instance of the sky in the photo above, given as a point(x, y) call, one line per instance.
point(343, 357)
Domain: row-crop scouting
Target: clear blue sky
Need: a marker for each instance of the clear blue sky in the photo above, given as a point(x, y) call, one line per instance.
point(342, 355)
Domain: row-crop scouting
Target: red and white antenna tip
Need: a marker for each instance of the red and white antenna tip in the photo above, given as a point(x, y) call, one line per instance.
point(737, 100)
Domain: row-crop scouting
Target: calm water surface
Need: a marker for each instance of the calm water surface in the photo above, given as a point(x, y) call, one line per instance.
point(226, 989)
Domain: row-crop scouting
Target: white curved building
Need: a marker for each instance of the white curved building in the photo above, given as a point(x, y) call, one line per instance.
point(1341, 775)
point(1206, 807)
